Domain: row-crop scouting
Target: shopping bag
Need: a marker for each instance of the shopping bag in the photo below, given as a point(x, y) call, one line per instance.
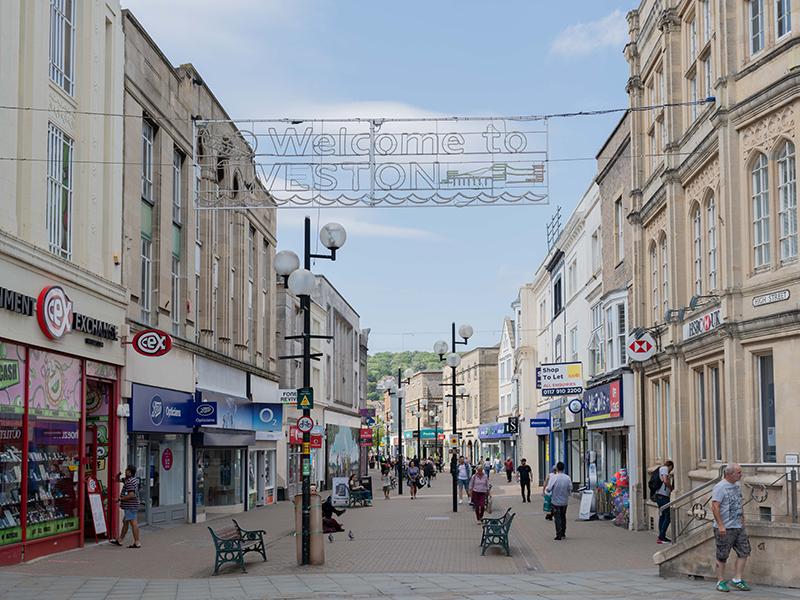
point(548, 505)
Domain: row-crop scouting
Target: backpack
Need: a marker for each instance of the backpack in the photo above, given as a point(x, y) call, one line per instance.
point(654, 483)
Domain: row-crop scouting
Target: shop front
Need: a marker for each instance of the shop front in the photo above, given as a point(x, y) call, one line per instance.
point(493, 436)
point(158, 446)
point(609, 421)
point(542, 431)
point(267, 424)
point(430, 442)
point(58, 394)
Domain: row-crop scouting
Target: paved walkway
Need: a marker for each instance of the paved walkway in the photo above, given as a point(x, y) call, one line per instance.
point(402, 549)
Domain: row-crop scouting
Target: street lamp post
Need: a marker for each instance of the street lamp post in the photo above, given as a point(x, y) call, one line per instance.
point(422, 403)
point(453, 360)
point(301, 282)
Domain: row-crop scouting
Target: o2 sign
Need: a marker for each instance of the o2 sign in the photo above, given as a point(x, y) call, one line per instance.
point(152, 342)
point(54, 312)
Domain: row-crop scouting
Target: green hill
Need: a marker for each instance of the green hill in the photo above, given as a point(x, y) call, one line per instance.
point(386, 363)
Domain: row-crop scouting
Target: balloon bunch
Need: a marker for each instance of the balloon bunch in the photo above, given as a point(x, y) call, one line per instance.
point(620, 494)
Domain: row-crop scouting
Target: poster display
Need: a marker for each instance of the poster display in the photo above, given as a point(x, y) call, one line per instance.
point(12, 382)
point(343, 451)
point(55, 385)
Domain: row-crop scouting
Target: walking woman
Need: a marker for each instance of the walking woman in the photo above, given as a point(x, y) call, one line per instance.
point(478, 489)
point(413, 479)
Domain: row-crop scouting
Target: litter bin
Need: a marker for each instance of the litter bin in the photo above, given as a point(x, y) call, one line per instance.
point(366, 481)
point(317, 548)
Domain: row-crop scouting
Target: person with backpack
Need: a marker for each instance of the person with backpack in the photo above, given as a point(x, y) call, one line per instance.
point(661, 486)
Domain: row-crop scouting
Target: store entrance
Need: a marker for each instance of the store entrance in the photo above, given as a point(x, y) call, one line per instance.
point(159, 462)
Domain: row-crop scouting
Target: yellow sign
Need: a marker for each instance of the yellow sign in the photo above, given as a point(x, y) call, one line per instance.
point(305, 398)
point(306, 447)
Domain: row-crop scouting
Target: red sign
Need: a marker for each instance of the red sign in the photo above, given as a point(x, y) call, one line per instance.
point(614, 400)
point(152, 342)
point(166, 459)
point(640, 346)
point(296, 438)
point(54, 312)
point(365, 433)
point(305, 424)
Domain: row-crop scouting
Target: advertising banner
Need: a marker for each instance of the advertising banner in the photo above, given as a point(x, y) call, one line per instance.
point(560, 379)
point(160, 410)
point(343, 451)
point(603, 401)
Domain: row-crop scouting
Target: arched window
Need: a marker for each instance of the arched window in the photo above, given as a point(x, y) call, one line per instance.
point(787, 194)
point(654, 285)
point(711, 242)
point(664, 274)
point(697, 245)
point(760, 197)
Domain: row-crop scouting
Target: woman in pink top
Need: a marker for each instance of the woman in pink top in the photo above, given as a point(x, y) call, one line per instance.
point(478, 489)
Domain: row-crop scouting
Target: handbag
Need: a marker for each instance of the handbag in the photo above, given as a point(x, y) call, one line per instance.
point(548, 504)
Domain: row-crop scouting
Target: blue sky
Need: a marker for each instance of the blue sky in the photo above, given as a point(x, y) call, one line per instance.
point(411, 272)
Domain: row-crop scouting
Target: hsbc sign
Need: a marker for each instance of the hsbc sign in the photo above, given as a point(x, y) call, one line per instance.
point(642, 348)
point(702, 324)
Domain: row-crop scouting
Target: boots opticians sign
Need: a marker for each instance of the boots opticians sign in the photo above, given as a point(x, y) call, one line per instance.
point(55, 313)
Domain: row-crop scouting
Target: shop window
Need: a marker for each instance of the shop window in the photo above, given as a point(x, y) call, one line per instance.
point(222, 470)
point(716, 405)
point(12, 405)
point(766, 397)
point(700, 398)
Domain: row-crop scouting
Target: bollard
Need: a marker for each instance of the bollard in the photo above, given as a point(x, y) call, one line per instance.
point(317, 548)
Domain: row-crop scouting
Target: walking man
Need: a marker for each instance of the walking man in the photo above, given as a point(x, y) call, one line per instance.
point(524, 478)
point(464, 474)
point(509, 468)
point(662, 497)
point(729, 531)
point(129, 501)
point(560, 487)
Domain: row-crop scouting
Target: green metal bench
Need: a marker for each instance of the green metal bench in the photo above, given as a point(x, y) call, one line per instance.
point(495, 532)
point(360, 498)
point(231, 544)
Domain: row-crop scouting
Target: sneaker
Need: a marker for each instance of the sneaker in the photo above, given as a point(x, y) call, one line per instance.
point(660, 541)
point(722, 586)
point(461, 501)
point(741, 585)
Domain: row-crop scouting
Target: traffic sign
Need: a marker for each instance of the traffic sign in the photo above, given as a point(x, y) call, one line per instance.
point(305, 424)
point(453, 440)
point(306, 467)
point(642, 348)
point(305, 398)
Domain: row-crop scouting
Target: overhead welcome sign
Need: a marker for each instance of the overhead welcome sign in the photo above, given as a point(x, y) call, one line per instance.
point(560, 379)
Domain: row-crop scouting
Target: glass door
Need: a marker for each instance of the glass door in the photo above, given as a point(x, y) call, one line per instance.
point(142, 448)
point(261, 477)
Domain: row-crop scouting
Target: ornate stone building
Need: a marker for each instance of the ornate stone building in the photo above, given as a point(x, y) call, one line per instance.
point(713, 225)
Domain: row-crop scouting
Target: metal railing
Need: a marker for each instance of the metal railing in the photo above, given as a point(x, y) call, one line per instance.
point(692, 510)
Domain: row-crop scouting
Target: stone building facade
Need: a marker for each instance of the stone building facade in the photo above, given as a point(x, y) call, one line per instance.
point(713, 224)
point(423, 405)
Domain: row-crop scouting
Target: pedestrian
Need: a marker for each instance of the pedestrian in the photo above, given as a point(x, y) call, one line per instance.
point(129, 502)
point(497, 464)
point(478, 490)
point(386, 481)
point(509, 464)
point(429, 470)
point(487, 466)
point(548, 505)
point(560, 487)
point(463, 476)
point(729, 531)
point(661, 497)
point(413, 478)
point(524, 478)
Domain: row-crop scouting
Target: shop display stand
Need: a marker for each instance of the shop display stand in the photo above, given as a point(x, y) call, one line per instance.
point(49, 490)
point(10, 495)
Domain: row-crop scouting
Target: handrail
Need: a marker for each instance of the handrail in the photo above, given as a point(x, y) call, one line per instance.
point(712, 482)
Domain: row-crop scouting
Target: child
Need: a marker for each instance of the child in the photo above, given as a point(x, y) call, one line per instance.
point(386, 481)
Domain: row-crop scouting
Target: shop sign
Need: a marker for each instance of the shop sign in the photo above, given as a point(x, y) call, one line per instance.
point(205, 413)
point(152, 342)
point(287, 396)
point(366, 413)
point(56, 317)
point(702, 324)
point(161, 410)
point(771, 298)
point(560, 379)
point(166, 459)
point(640, 348)
point(9, 373)
point(267, 416)
point(493, 431)
point(537, 423)
point(16, 302)
point(603, 402)
point(425, 434)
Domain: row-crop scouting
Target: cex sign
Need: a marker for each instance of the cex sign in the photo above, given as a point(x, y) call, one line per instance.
point(152, 342)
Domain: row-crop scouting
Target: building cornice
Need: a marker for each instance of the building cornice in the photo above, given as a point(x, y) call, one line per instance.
point(669, 21)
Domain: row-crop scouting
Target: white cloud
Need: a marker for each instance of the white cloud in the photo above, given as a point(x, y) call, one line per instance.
point(582, 39)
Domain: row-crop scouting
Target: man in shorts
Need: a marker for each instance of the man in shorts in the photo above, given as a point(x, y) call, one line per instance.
point(463, 473)
point(129, 502)
point(729, 531)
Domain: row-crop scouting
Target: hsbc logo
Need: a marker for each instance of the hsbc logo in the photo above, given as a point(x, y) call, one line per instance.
point(642, 347)
point(638, 346)
point(152, 342)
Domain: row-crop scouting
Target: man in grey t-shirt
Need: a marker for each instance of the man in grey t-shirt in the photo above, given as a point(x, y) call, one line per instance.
point(729, 532)
point(559, 487)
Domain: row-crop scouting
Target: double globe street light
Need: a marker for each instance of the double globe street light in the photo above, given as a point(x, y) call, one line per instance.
point(301, 282)
point(453, 360)
point(394, 387)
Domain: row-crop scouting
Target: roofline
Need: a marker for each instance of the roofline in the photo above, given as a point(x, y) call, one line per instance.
point(338, 293)
point(613, 133)
point(128, 14)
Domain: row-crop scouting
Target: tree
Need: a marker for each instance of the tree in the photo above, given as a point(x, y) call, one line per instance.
point(385, 364)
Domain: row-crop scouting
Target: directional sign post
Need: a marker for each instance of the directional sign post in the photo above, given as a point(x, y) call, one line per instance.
point(642, 348)
point(305, 398)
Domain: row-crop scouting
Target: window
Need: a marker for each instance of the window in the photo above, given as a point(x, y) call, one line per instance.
point(692, 39)
point(251, 290)
point(557, 297)
point(760, 212)
point(559, 347)
point(668, 417)
point(664, 274)
point(619, 223)
point(783, 17)
point(542, 314)
point(652, 150)
point(716, 405)
point(707, 24)
point(572, 278)
point(264, 280)
point(697, 236)
point(654, 284)
point(62, 44)
point(148, 133)
point(596, 250)
point(711, 242)
point(176, 279)
point(766, 393)
point(756, 26)
point(621, 334)
point(177, 182)
point(657, 411)
point(610, 338)
point(596, 340)
point(709, 77)
point(59, 192)
point(787, 194)
point(146, 262)
point(700, 396)
point(573, 344)
point(693, 95)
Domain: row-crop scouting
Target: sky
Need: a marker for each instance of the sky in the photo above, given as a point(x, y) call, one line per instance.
point(409, 273)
